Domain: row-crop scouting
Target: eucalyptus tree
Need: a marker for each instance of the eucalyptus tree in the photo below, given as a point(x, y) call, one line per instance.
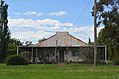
point(108, 16)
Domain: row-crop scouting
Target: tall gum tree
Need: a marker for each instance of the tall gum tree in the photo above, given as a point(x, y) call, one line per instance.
point(108, 16)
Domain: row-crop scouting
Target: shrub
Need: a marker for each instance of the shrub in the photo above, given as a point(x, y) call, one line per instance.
point(116, 61)
point(116, 55)
point(16, 60)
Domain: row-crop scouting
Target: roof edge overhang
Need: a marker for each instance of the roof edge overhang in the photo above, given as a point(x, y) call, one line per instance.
point(59, 46)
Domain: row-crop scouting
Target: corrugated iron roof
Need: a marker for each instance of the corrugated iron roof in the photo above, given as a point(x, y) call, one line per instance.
point(61, 39)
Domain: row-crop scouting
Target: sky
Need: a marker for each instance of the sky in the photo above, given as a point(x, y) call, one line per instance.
point(31, 20)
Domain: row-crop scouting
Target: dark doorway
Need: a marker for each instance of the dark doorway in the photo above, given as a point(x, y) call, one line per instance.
point(61, 55)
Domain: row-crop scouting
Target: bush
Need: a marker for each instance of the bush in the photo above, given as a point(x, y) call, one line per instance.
point(116, 61)
point(16, 60)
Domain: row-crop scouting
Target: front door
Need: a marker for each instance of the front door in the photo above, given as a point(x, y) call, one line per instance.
point(61, 55)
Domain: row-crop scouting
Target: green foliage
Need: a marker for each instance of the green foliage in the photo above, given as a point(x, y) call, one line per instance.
point(12, 49)
point(41, 40)
point(12, 45)
point(4, 32)
point(28, 42)
point(15, 41)
point(107, 16)
point(16, 60)
point(90, 43)
point(116, 61)
point(116, 55)
point(107, 12)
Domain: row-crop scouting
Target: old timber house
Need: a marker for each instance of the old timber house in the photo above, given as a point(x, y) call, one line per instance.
point(61, 47)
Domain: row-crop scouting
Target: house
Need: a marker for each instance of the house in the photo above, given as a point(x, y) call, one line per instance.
point(61, 47)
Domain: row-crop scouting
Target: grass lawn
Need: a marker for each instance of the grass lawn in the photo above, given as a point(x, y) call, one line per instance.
point(54, 71)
